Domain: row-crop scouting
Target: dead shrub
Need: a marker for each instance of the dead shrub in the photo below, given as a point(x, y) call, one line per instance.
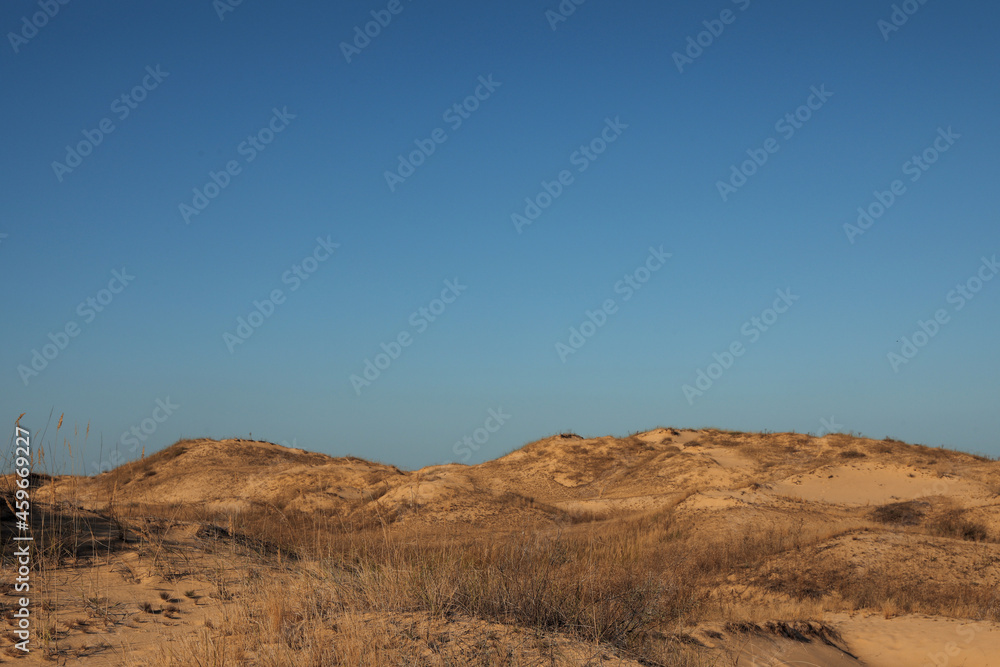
point(907, 513)
point(954, 524)
point(852, 454)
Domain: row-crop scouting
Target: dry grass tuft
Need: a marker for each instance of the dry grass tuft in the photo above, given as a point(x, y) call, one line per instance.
point(852, 454)
point(907, 513)
point(953, 523)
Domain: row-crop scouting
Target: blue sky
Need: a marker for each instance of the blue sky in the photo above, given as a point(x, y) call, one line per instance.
point(213, 83)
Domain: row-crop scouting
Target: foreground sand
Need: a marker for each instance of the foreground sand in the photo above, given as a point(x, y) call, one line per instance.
point(665, 547)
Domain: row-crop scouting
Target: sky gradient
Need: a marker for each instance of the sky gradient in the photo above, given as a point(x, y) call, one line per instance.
point(259, 151)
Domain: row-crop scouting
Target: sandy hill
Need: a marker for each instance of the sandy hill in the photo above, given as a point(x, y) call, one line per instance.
point(559, 476)
point(234, 475)
point(671, 546)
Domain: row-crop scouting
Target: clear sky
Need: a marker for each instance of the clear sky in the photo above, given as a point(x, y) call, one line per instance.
point(594, 204)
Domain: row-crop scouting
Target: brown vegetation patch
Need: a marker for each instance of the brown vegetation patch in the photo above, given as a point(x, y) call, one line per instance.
point(908, 513)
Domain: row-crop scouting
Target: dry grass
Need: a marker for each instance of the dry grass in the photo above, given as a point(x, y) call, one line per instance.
point(529, 591)
point(954, 523)
point(376, 584)
point(632, 589)
point(879, 589)
point(907, 513)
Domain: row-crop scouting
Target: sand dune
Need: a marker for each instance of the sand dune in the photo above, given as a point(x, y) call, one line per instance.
point(754, 549)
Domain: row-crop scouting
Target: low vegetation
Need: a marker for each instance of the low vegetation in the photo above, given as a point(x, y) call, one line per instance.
point(677, 581)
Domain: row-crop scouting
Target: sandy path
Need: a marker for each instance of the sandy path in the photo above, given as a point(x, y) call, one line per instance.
point(919, 641)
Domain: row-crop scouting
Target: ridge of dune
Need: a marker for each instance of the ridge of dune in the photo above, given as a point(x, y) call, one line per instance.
point(643, 471)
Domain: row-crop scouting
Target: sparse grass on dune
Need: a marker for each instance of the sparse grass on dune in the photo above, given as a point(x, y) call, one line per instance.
point(888, 591)
point(588, 590)
point(633, 587)
point(537, 576)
